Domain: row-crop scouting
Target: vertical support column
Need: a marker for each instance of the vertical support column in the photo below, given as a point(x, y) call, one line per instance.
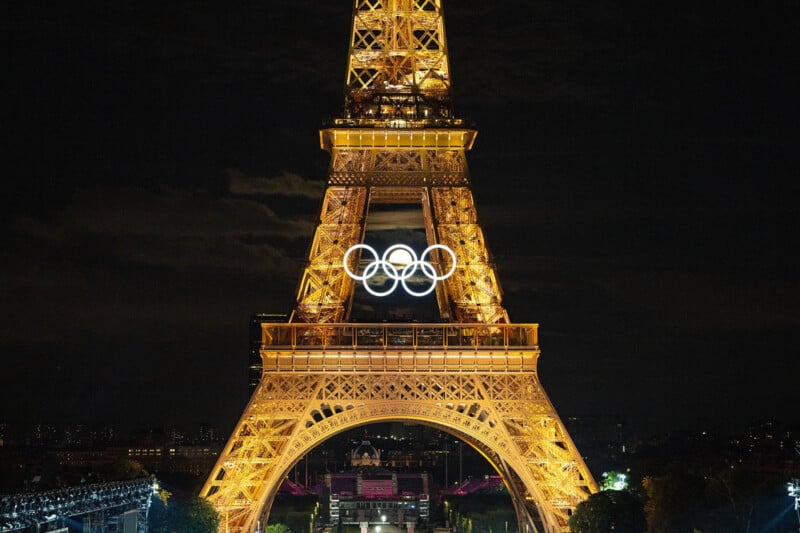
point(473, 290)
point(430, 232)
point(325, 288)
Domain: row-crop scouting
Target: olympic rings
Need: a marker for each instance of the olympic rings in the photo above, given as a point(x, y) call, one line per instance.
point(401, 276)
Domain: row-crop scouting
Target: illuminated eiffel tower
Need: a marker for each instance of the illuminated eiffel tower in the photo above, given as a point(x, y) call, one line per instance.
point(471, 374)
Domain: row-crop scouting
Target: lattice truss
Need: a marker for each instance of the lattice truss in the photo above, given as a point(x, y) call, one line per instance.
point(398, 167)
point(473, 290)
point(398, 69)
point(325, 286)
point(398, 44)
point(384, 167)
point(506, 415)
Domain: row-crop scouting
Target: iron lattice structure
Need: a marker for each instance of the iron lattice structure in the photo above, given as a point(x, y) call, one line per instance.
point(473, 375)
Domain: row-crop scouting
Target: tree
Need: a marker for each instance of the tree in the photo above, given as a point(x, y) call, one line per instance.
point(737, 498)
point(721, 498)
point(195, 515)
point(277, 528)
point(164, 495)
point(124, 468)
point(609, 510)
point(674, 501)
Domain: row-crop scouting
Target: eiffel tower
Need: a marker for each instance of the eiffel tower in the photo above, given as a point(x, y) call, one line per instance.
point(472, 373)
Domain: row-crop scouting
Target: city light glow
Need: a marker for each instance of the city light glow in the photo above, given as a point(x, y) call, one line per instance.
point(614, 481)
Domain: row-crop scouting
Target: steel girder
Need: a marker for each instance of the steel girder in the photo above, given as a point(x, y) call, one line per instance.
point(393, 162)
point(505, 415)
point(398, 44)
point(325, 287)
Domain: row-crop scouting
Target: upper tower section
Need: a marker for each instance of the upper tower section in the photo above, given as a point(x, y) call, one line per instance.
point(398, 73)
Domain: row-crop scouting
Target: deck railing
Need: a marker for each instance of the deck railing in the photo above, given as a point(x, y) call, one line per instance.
point(399, 336)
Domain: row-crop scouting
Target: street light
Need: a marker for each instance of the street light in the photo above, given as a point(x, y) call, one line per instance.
point(614, 481)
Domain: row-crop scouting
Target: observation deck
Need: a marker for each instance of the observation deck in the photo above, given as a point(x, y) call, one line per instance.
point(399, 347)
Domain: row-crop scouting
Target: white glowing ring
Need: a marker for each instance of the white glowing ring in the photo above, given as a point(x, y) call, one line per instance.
point(427, 251)
point(406, 273)
point(391, 271)
point(347, 256)
point(370, 271)
point(428, 269)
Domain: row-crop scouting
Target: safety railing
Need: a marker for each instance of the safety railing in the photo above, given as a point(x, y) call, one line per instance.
point(390, 347)
point(399, 336)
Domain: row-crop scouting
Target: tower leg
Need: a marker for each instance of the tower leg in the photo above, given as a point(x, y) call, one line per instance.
point(486, 395)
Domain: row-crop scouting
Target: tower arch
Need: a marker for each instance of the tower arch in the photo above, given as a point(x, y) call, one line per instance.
point(521, 478)
point(479, 384)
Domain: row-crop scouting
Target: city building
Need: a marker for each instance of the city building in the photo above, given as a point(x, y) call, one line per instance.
point(369, 495)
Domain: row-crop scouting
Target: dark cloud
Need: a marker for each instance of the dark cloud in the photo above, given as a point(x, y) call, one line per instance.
point(124, 258)
point(175, 229)
point(675, 268)
point(284, 184)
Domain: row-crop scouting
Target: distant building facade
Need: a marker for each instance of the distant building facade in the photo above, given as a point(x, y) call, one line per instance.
point(369, 495)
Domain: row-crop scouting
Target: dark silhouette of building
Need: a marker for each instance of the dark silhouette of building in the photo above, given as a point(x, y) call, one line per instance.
point(254, 366)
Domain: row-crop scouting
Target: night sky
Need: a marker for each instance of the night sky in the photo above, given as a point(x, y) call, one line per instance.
point(635, 173)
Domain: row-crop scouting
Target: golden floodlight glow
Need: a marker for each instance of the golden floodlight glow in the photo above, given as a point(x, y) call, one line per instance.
point(470, 372)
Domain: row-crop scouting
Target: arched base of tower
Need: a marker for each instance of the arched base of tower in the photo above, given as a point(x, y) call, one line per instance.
point(501, 411)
